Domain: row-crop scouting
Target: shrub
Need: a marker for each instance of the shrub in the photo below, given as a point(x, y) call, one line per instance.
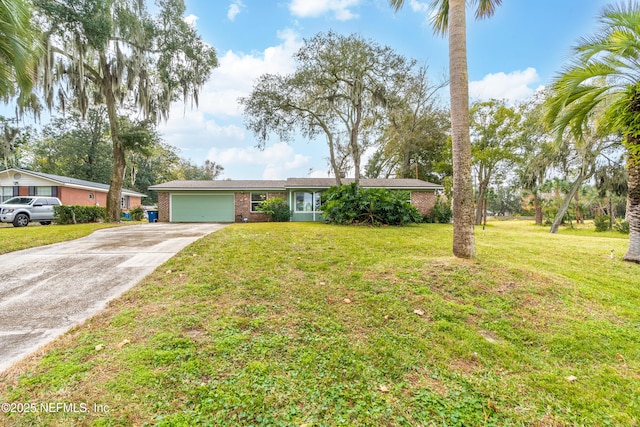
point(277, 208)
point(75, 214)
point(601, 222)
point(440, 213)
point(621, 226)
point(350, 204)
point(137, 213)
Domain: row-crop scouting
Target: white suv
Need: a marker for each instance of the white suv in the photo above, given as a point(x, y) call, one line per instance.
point(25, 209)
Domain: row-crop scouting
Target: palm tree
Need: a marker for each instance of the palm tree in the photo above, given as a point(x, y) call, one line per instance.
point(17, 43)
point(450, 18)
point(602, 86)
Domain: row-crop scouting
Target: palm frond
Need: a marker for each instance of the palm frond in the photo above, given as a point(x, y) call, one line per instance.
point(440, 16)
point(486, 8)
point(396, 4)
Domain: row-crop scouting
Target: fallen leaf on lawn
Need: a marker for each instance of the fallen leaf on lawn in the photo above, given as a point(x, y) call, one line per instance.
point(181, 275)
point(347, 301)
point(571, 378)
point(383, 388)
point(492, 406)
point(620, 357)
point(168, 271)
point(123, 343)
point(322, 283)
point(418, 312)
point(99, 347)
point(386, 317)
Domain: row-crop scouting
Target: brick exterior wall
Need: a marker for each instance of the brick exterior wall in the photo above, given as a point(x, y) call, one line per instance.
point(423, 200)
point(163, 207)
point(78, 196)
point(243, 207)
point(75, 196)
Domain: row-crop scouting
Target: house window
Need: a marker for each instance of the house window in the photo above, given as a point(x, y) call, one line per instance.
point(256, 199)
point(43, 191)
point(5, 193)
point(308, 201)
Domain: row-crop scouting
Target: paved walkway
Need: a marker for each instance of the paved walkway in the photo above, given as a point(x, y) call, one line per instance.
point(47, 290)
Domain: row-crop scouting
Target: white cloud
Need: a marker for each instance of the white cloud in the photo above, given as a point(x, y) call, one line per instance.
point(234, 9)
point(192, 132)
point(513, 86)
point(218, 120)
point(191, 19)
point(418, 6)
point(277, 160)
point(238, 71)
point(315, 8)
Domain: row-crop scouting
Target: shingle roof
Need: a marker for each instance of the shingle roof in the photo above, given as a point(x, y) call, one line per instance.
point(310, 183)
point(76, 182)
point(365, 182)
point(221, 185)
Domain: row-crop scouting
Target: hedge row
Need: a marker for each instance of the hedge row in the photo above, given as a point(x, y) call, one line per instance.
point(75, 214)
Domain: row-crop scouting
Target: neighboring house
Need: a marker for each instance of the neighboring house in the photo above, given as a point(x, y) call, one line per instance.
point(70, 191)
point(237, 201)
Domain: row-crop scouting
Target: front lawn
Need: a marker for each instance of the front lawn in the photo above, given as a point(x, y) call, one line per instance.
point(315, 325)
point(17, 238)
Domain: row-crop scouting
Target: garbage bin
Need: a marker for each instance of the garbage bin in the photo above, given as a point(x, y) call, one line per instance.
point(153, 216)
point(126, 216)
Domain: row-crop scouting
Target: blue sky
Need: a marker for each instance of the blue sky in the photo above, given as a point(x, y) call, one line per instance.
point(512, 54)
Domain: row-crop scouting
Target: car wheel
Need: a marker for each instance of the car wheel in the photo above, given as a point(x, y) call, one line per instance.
point(45, 222)
point(21, 220)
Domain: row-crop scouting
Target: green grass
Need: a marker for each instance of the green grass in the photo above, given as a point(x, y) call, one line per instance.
point(17, 238)
point(318, 325)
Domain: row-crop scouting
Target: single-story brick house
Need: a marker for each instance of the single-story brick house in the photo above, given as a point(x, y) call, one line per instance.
point(237, 201)
point(70, 191)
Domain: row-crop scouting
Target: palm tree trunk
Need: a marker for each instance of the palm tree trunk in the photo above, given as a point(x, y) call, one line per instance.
point(537, 208)
point(565, 204)
point(463, 218)
point(633, 210)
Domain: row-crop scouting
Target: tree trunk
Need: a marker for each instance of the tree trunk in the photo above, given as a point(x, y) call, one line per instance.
point(332, 159)
point(537, 208)
point(481, 205)
point(119, 162)
point(579, 219)
point(463, 238)
point(353, 138)
point(114, 195)
point(633, 210)
point(565, 204)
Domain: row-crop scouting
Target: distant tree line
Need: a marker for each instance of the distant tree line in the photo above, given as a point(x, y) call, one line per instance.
point(81, 148)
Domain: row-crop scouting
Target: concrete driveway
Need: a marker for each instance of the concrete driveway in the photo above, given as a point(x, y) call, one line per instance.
point(47, 290)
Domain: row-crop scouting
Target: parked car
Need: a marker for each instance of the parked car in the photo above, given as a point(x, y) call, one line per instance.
point(25, 209)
